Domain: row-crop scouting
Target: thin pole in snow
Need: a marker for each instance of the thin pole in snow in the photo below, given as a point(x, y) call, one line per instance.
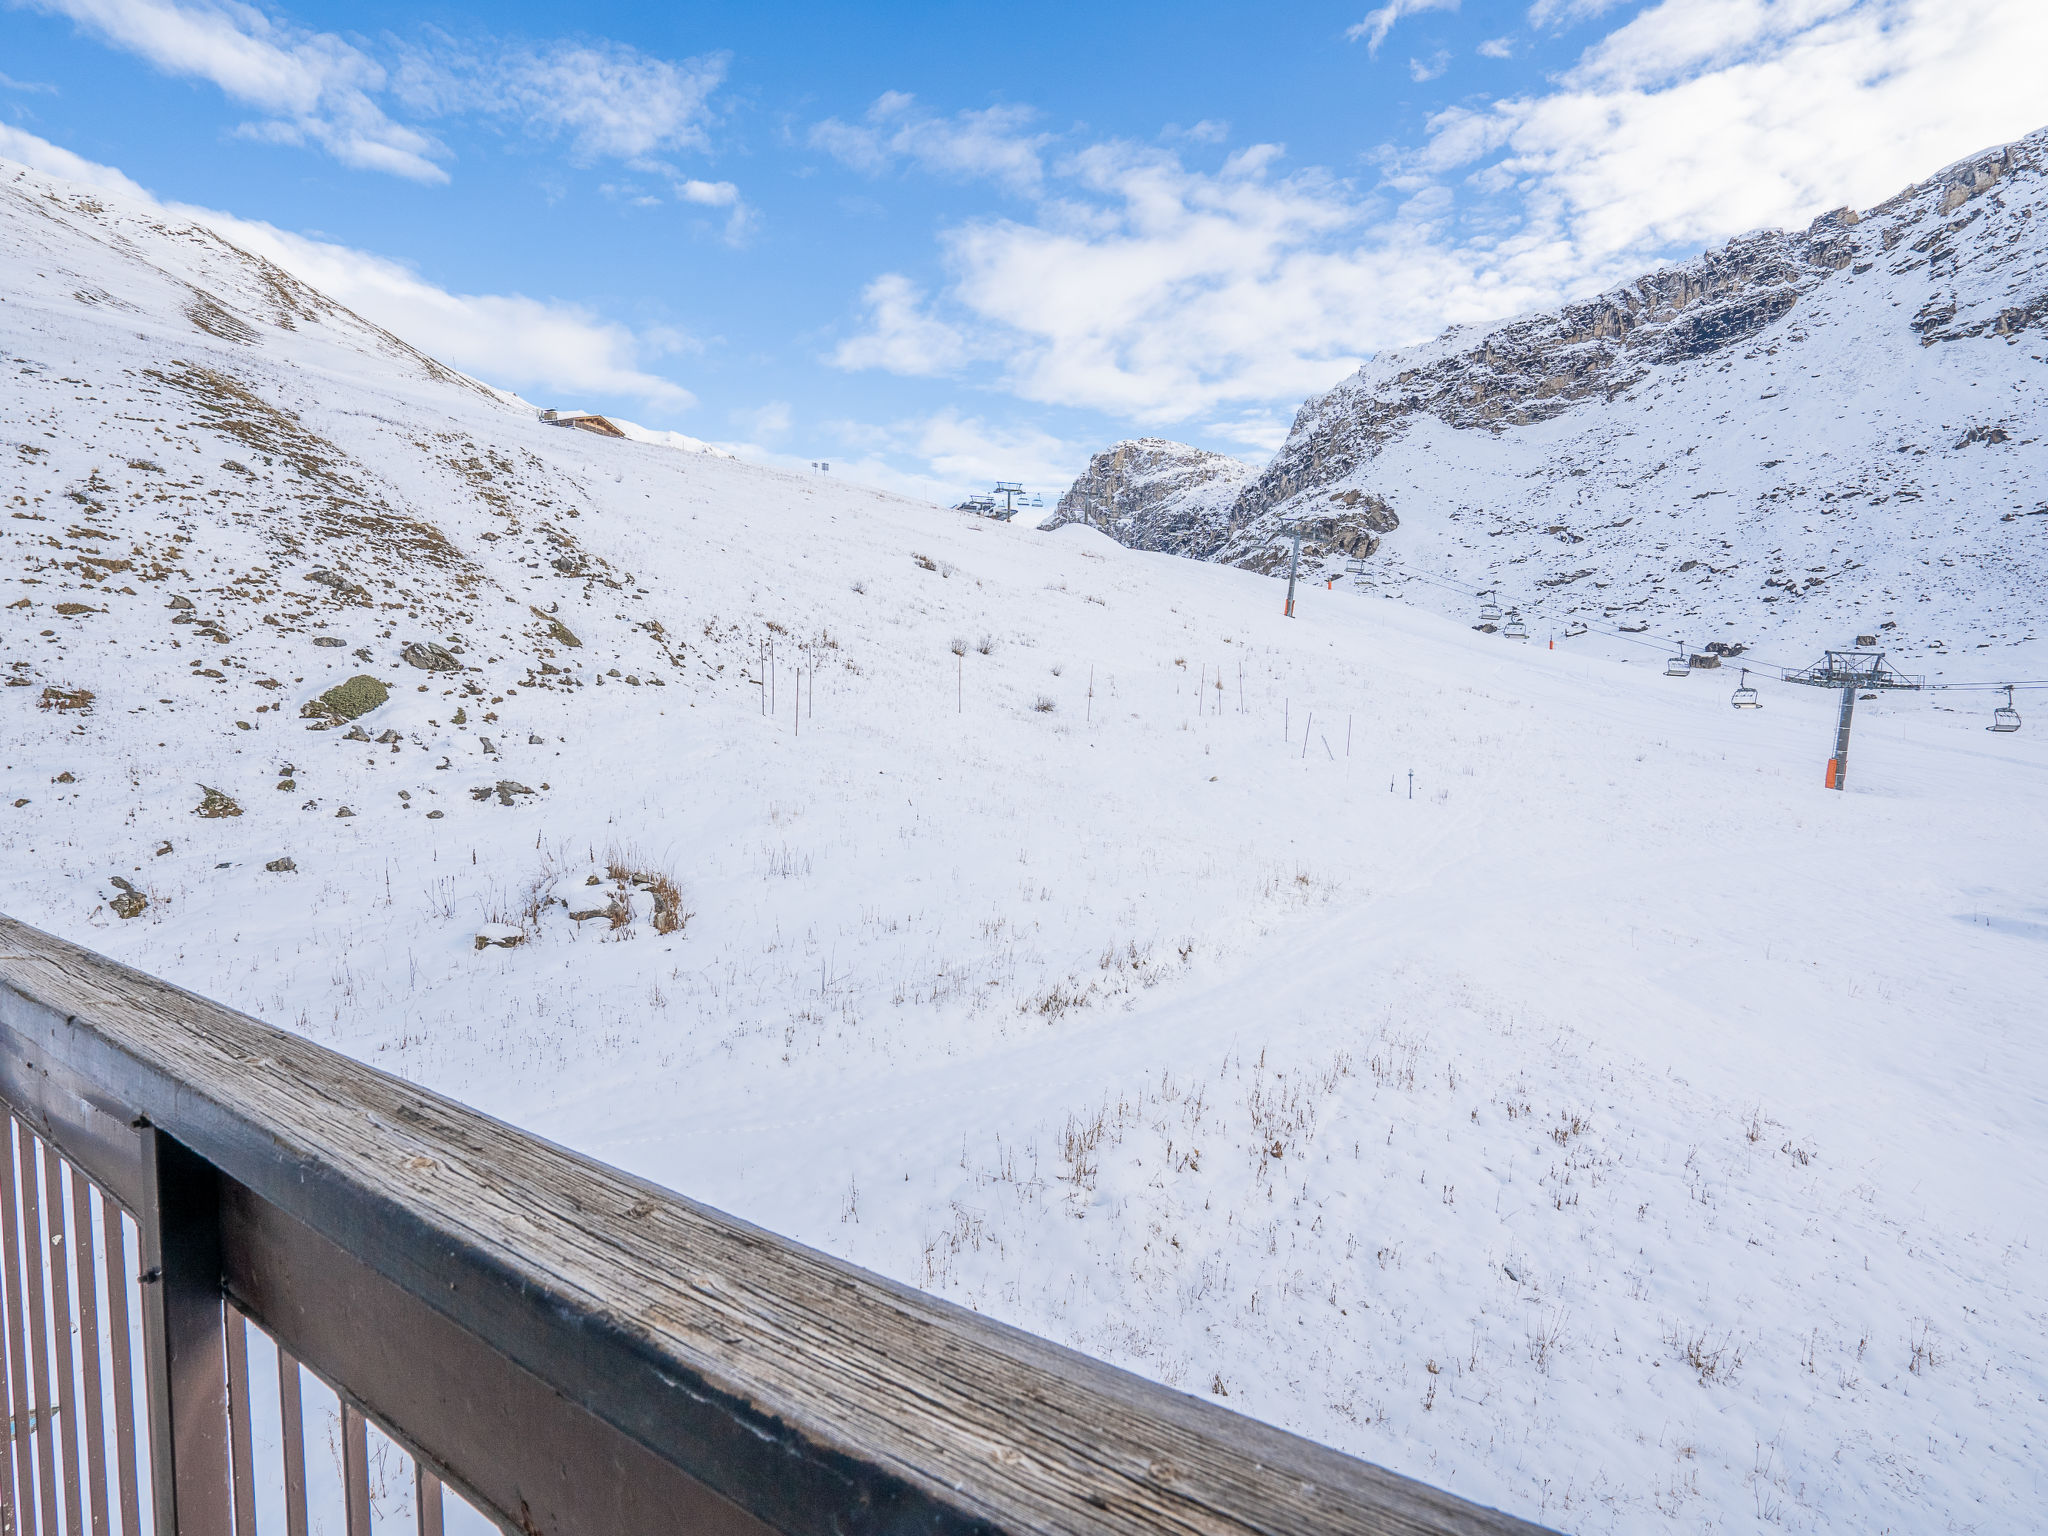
point(1090, 719)
point(1305, 727)
point(1411, 783)
point(1347, 735)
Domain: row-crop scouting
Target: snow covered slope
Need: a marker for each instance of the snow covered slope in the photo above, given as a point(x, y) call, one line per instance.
point(1606, 1122)
point(1796, 435)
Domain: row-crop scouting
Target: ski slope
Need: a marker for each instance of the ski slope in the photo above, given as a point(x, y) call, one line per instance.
point(1619, 1128)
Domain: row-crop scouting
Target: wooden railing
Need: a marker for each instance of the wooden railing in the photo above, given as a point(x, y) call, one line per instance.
point(189, 1197)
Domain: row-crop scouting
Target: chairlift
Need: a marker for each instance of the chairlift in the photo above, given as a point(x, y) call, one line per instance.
point(1355, 566)
point(1679, 665)
point(2005, 719)
point(1489, 610)
point(1745, 696)
point(1573, 631)
point(1515, 628)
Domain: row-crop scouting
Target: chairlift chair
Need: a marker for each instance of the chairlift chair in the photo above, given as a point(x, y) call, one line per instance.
point(1515, 628)
point(1489, 610)
point(2005, 719)
point(1745, 696)
point(1679, 665)
point(1355, 566)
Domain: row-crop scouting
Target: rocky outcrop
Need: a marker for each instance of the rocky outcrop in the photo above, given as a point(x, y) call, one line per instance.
point(1149, 493)
point(1531, 370)
point(1449, 431)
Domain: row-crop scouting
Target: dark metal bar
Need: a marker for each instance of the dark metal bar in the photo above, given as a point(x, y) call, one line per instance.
point(122, 1354)
point(238, 1424)
point(64, 1378)
point(458, 1405)
point(86, 1261)
point(355, 1469)
point(43, 1404)
point(184, 1364)
point(426, 1497)
point(1842, 736)
point(291, 1413)
point(75, 1113)
point(21, 1450)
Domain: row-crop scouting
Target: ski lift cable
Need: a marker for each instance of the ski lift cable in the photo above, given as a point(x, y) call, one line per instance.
point(1753, 663)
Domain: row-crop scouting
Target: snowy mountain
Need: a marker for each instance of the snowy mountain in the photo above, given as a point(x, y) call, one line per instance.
point(1506, 1064)
point(1148, 493)
point(1800, 434)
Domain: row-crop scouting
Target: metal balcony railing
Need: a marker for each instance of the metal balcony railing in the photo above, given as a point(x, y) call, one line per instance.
point(249, 1284)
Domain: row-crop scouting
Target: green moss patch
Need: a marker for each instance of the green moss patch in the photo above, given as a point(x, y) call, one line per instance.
point(348, 701)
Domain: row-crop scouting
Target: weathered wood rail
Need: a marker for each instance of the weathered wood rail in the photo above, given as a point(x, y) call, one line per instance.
point(570, 1349)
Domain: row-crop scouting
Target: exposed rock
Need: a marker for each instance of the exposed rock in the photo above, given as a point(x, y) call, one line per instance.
point(215, 805)
point(180, 602)
point(559, 632)
point(281, 866)
point(67, 700)
point(429, 657)
point(131, 902)
point(75, 610)
point(347, 701)
point(435, 815)
point(338, 584)
point(335, 641)
point(502, 935)
point(1150, 493)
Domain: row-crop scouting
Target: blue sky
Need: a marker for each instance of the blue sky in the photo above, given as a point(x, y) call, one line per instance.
point(937, 244)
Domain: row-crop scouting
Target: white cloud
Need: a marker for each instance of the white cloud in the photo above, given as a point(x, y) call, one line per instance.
point(315, 86)
point(901, 337)
point(1161, 293)
point(606, 99)
point(1497, 48)
point(1564, 13)
point(769, 423)
point(1422, 71)
point(610, 100)
point(504, 339)
point(1379, 23)
point(990, 143)
point(1700, 119)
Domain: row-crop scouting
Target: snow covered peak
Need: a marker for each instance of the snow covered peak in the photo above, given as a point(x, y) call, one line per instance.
point(1801, 431)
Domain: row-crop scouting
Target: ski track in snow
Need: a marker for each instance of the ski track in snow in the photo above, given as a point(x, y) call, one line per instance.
point(1621, 1130)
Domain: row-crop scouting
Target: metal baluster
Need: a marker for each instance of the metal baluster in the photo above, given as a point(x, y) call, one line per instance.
point(64, 1377)
point(118, 1278)
point(86, 1261)
point(238, 1423)
point(427, 1497)
point(355, 1470)
point(291, 1412)
point(21, 1515)
point(42, 1400)
point(184, 1364)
